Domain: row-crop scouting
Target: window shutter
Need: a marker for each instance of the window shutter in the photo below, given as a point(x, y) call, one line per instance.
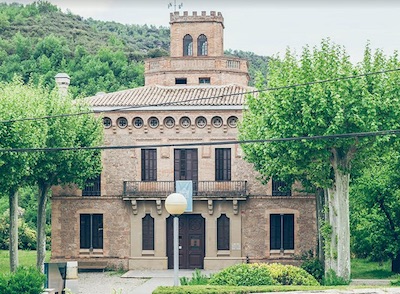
point(275, 229)
point(288, 231)
point(97, 231)
point(223, 232)
point(85, 231)
point(148, 233)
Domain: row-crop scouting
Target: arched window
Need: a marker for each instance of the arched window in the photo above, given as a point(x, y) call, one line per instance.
point(187, 45)
point(147, 232)
point(223, 232)
point(202, 44)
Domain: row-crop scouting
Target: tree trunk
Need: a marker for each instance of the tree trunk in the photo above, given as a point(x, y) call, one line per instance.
point(396, 264)
point(41, 227)
point(13, 199)
point(320, 219)
point(338, 257)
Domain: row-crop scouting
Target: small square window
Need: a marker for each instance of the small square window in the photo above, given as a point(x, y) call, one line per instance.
point(181, 81)
point(204, 81)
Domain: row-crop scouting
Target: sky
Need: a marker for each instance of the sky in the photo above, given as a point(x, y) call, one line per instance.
point(267, 27)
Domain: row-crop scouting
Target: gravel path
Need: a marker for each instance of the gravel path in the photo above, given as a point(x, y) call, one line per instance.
point(106, 283)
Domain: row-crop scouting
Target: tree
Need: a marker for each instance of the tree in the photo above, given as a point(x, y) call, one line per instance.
point(375, 210)
point(353, 105)
point(18, 101)
point(64, 167)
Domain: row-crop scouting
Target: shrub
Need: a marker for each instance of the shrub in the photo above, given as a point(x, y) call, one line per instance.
point(291, 275)
point(263, 274)
point(197, 279)
point(27, 280)
point(331, 279)
point(313, 266)
point(243, 275)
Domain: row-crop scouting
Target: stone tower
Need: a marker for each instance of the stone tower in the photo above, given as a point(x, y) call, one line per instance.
point(197, 54)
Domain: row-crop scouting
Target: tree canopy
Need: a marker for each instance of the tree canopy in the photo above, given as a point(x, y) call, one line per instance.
point(18, 101)
point(337, 106)
point(375, 209)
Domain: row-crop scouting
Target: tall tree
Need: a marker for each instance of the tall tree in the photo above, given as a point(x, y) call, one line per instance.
point(335, 107)
point(62, 167)
point(375, 210)
point(18, 101)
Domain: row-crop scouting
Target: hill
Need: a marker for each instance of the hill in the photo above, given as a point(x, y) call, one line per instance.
point(38, 41)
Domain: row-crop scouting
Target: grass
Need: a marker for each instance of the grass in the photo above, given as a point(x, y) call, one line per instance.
point(198, 289)
point(365, 269)
point(25, 257)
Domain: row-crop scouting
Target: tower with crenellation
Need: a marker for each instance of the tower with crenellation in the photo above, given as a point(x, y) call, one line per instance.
point(197, 54)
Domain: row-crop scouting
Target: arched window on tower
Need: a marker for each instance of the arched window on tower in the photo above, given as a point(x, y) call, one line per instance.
point(187, 45)
point(202, 46)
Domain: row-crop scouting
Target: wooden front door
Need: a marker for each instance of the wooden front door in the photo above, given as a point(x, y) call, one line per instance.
point(186, 166)
point(191, 241)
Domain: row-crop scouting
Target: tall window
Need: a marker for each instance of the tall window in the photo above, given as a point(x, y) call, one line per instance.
point(149, 165)
point(280, 188)
point(222, 164)
point(91, 231)
point(223, 237)
point(282, 231)
point(202, 45)
point(187, 45)
point(147, 232)
point(92, 187)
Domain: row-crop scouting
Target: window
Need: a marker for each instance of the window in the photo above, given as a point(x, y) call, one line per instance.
point(216, 121)
point(153, 122)
point(182, 81)
point(185, 122)
point(122, 122)
point(280, 188)
point(149, 165)
point(147, 232)
point(222, 164)
point(282, 231)
point(137, 122)
point(232, 121)
point(223, 228)
point(204, 81)
point(92, 187)
point(202, 49)
point(187, 45)
point(201, 122)
point(91, 231)
point(169, 122)
point(107, 122)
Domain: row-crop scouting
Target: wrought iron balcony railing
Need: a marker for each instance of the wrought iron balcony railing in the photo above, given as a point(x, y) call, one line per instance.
point(200, 189)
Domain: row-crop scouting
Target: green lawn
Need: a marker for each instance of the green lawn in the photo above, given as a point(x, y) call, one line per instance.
point(25, 257)
point(364, 269)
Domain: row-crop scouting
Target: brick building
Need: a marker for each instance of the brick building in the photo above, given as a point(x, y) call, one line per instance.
point(195, 96)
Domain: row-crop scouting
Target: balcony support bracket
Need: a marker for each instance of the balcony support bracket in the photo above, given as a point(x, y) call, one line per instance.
point(159, 206)
point(235, 206)
point(210, 207)
point(134, 207)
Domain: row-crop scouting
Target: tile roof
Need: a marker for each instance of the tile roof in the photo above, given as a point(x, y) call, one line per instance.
point(154, 95)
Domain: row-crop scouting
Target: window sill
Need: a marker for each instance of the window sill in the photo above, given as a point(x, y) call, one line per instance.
point(91, 252)
point(147, 252)
point(282, 253)
point(223, 253)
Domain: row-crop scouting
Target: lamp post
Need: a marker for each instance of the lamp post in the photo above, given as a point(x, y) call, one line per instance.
point(176, 204)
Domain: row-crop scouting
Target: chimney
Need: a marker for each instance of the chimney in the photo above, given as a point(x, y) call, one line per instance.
point(62, 81)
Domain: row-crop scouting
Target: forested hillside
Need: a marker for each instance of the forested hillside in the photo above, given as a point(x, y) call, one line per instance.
point(38, 40)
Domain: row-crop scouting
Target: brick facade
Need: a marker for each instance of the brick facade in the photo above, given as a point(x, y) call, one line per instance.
point(123, 211)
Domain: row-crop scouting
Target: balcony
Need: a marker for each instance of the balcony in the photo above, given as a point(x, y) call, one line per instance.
point(168, 64)
point(201, 190)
